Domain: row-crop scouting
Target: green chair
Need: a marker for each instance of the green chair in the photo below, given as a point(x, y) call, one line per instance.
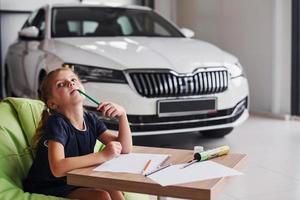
point(19, 118)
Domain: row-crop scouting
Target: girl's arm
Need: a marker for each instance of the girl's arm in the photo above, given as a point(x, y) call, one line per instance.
point(60, 165)
point(112, 110)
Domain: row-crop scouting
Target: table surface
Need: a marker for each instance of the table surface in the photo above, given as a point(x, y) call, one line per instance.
point(202, 190)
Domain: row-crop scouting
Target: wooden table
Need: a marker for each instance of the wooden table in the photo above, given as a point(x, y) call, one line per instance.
point(202, 190)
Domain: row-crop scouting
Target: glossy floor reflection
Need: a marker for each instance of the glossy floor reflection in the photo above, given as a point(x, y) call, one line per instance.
point(273, 168)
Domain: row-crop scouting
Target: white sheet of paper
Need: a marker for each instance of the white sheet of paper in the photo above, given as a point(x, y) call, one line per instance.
point(132, 163)
point(196, 172)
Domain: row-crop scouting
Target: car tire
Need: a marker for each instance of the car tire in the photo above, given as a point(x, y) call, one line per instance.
point(217, 133)
point(7, 89)
point(42, 75)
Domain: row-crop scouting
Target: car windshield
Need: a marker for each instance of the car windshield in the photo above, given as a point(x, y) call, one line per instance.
point(108, 22)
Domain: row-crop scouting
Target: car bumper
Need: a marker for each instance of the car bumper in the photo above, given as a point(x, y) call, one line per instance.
point(153, 125)
point(232, 109)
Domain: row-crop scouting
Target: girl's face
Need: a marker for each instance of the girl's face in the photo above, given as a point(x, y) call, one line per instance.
point(64, 90)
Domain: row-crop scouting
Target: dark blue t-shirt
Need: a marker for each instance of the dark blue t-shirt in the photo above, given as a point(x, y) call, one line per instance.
point(76, 143)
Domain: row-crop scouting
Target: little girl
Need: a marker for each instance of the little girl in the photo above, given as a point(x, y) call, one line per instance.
point(66, 137)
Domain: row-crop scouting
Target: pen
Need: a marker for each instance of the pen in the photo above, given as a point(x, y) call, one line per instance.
point(205, 155)
point(146, 166)
point(189, 163)
point(158, 169)
point(89, 97)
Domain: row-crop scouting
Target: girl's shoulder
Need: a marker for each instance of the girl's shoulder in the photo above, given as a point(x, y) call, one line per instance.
point(57, 118)
point(89, 116)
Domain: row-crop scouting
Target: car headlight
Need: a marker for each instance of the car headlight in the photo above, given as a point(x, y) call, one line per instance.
point(97, 74)
point(236, 70)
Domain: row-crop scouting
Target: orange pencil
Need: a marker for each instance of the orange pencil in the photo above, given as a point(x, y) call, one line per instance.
point(146, 166)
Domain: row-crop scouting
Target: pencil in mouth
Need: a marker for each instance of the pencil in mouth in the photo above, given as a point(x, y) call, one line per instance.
point(89, 97)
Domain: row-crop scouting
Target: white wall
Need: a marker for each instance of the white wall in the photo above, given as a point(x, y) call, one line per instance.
point(167, 8)
point(258, 33)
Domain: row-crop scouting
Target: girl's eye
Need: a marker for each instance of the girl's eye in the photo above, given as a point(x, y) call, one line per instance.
point(59, 85)
point(74, 80)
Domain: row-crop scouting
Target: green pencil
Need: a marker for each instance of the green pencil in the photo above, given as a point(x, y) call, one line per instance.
point(89, 97)
point(96, 102)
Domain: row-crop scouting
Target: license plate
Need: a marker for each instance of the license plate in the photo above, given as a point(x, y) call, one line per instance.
point(179, 107)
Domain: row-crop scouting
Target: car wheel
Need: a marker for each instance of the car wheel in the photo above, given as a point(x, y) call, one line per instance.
point(7, 87)
point(217, 133)
point(42, 75)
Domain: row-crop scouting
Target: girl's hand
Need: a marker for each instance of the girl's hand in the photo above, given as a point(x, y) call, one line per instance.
point(111, 110)
point(112, 149)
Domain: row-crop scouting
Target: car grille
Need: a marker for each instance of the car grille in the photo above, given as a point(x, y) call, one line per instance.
point(168, 83)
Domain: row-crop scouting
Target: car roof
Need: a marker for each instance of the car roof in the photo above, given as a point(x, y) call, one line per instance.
point(112, 5)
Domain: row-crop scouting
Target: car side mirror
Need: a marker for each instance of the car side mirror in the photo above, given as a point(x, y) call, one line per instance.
point(187, 32)
point(28, 33)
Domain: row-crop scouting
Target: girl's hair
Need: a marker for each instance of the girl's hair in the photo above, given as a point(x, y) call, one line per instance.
point(44, 93)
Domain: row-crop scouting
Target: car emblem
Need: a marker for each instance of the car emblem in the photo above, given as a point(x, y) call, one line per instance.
point(186, 84)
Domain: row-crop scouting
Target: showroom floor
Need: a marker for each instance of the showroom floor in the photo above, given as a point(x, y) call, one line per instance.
point(272, 171)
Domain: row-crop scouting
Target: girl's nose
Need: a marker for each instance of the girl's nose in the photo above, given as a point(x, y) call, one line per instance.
point(71, 83)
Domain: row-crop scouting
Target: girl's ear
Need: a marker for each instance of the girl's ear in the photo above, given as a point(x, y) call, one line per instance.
point(51, 104)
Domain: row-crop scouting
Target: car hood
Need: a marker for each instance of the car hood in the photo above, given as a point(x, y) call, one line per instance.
point(180, 54)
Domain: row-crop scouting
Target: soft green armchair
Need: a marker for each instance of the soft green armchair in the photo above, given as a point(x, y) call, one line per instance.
point(19, 118)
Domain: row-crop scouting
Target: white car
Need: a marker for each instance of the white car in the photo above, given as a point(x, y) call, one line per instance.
point(167, 81)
